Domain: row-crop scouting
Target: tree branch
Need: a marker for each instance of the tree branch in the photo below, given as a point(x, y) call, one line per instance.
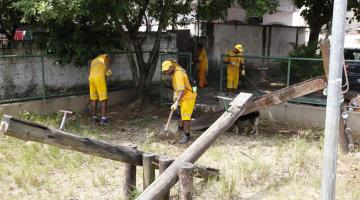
point(129, 55)
point(154, 54)
point(141, 15)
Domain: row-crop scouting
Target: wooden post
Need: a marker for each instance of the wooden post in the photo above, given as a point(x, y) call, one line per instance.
point(130, 178)
point(186, 181)
point(164, 163)
point(343, 139)
point(325, 53)
point(169, 177)
point(29, 131)
point(148, 169)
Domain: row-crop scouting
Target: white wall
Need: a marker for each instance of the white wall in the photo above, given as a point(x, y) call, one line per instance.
point(22, 76)
point(287, 14)
point(225, 36)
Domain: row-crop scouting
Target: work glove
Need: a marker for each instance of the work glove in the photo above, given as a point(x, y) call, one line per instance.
point(108, 73)
point(174, 106)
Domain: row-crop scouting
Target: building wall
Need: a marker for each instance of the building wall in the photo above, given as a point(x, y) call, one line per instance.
point(287, 14)
point(256, 40)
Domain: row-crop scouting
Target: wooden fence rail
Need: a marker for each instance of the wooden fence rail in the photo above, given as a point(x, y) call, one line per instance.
point(30, 131)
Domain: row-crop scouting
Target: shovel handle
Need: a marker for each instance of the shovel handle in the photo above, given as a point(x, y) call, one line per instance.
point(168, 121)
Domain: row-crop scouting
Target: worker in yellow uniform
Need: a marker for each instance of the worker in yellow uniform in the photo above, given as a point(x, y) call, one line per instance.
point(184, 95)
point(99, 71)
point(202, 61)
point(235, 64)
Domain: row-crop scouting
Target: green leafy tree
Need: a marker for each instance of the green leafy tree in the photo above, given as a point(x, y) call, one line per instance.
point(257, 8)
point(80, 29)
point(10, 18)
point(212, 9)
point(318, 13)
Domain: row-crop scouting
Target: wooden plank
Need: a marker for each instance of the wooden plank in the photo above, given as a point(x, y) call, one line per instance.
point(29, 131)
point(325, 53)
point(268, 100)
point(169, 177)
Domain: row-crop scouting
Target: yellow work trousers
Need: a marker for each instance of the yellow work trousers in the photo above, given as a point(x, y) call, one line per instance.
point(98, 89)
point(186, 108)
point(202, 75)
point(232, 77)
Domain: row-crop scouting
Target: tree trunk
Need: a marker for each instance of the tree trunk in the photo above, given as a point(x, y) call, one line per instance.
point(314, 35)
point(129, 55)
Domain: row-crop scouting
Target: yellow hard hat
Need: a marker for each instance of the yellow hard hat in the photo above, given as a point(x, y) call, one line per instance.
point(166, 65)
point(239, 47)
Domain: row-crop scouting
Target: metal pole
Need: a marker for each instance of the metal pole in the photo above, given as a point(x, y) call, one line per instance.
point(288, 73)
point(221, 73)
point(63, 122)
point(161, 82)
point(43, 77)
point(333, 101)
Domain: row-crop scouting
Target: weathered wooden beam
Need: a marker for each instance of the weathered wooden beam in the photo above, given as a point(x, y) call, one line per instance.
point(325, 53)
point(29, 131)
point(186, 181)
point(148, 169)
point(268, 100)
point(164, 163)
point(169, 177)
point(129, 185)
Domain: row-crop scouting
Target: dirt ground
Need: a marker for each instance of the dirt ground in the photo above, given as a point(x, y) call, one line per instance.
point(282, 162)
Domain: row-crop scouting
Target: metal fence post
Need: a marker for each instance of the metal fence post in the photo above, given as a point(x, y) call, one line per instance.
point(288, 73)
point(43, 77)
point(161, 81)
point(333, 104)
point(221, 72)
point(190, 64)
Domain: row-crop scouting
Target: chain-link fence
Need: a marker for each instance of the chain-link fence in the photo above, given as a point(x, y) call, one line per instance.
point(166, 91)
point(42, 77)
point(267, 74)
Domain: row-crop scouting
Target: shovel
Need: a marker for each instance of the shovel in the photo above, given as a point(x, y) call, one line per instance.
point(166, 132)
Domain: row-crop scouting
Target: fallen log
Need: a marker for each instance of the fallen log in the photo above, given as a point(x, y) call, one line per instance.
point(29, 131)
point(169, 177)
point(268, 100)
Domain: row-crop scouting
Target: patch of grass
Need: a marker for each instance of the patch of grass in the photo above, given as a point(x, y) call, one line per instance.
point(227, 187)
point(253, 172)
point(215, 153)
point(48, 120)
point(300, 158)
point(99, 181)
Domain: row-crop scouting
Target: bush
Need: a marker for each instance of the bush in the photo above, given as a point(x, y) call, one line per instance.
point(303, 70)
